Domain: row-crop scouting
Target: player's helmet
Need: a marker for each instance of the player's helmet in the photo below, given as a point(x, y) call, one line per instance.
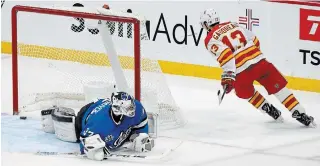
point(123, 104)
point(208, 18)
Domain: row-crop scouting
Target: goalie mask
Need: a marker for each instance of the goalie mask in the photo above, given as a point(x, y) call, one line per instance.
point(123, 104)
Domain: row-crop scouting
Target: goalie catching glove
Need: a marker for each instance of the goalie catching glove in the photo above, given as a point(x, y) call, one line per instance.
point(227, 80)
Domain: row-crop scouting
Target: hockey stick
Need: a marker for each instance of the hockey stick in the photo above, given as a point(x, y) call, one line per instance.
point(110, 156)
point(132, 157)
point(221, 95)
point(2, 3)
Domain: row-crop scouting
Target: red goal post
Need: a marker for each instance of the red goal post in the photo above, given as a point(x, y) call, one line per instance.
point(14, 21)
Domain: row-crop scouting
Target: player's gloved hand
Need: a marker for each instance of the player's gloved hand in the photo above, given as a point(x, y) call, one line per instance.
point(141, 142)
point(227, 80)
point(94, 147)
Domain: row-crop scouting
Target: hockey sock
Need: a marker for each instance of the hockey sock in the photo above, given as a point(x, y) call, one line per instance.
point(286, 97)
point(259, 102)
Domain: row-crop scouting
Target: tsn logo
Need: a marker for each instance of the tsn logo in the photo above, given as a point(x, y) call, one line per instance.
point(310, 57)
point(310, 25)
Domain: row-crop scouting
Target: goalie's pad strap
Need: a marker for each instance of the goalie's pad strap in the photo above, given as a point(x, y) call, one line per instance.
point(61, 118)
point(46, 112)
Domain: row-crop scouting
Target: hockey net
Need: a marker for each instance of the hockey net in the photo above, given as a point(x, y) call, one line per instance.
point(59, 53)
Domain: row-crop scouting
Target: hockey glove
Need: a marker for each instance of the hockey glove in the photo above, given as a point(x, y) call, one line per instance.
point(227, 80)
point(94, 147)
point(141, 142)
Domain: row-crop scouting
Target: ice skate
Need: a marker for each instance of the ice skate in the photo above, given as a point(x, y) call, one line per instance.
point(304, 118)
point(273, 112)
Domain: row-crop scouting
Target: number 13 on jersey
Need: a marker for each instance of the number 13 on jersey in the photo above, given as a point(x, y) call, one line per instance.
point(234, 40)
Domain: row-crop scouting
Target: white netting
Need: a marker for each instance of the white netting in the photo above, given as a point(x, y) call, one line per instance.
point(58, 55)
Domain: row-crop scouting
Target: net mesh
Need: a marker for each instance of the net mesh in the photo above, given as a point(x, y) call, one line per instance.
point(58, 55)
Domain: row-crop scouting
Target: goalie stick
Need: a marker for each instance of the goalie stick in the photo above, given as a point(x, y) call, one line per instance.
point(132, 157)
point(221, 94)
point(110, 156)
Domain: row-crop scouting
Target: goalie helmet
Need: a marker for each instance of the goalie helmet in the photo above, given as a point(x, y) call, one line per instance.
point(123, 104)
point(208, 18)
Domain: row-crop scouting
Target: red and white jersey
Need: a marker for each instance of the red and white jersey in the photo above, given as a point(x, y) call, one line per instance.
point(235, 48)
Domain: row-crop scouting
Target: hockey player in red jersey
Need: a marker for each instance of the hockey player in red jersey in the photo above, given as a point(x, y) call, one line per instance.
point(238, 52)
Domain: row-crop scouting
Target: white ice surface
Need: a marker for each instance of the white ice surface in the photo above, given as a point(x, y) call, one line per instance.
point(232, 134)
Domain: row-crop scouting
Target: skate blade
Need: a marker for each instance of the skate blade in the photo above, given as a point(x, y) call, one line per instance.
point(280, 119)
point(312, 125)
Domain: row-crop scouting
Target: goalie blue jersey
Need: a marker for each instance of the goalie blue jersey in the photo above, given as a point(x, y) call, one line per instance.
point(97, 119)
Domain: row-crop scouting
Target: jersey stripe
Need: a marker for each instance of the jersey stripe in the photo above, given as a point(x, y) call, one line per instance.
point(243, 56)
point(225, 57)
point(247, 59)
point(141, 124)
point(244, 52)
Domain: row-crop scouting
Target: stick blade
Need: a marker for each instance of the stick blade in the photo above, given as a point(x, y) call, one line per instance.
point(220, 96)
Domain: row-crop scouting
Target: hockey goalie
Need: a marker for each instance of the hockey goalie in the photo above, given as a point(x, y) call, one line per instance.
point(102, 126)
point(238, 52)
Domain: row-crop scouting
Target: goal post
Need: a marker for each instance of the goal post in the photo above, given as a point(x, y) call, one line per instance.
point(50, 69)
point(18, 8)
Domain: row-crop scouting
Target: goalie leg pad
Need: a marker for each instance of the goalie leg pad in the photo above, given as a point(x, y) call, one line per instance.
point(63, 120)
point(46, 120)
